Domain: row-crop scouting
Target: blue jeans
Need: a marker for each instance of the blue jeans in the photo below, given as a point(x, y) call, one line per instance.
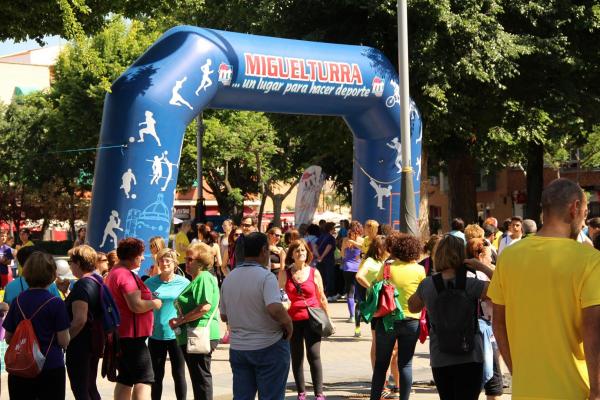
point(265, 370)
point(406, 333)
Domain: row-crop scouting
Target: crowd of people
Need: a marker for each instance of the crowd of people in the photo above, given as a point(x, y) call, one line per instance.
point(480, 293)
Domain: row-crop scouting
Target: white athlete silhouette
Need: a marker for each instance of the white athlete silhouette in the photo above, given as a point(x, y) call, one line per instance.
point(169, 165)
point(395, 98)
point(150, 128)
point(114, 222)
point(176, 98)
point(418, 168)
point(157, 169)
point(126, 180)
point(380, 193)
point(206, 81)
point(396, 145)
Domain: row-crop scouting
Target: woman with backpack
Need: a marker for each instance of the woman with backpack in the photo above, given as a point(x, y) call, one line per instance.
point(135, 303)
point(166, 286)
point(50, 326)
point(451, 298)
point(83, 354)
point(402, 326)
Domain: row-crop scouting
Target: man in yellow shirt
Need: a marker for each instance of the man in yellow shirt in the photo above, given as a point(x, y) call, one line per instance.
point(182, 242)
point(546, 295)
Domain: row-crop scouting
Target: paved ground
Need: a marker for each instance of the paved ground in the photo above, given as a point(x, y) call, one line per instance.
point(346, 368)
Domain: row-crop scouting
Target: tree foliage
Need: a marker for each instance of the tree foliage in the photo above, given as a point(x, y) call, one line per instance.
point(22, 20)
point(236, 151)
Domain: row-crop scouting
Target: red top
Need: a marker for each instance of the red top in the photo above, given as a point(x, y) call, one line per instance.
point(310, 293)
point(121, 281)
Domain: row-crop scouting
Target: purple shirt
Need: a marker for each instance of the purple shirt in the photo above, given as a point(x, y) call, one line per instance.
point(322, 242)
point(351, 259)
point(52, 318)
point(6, 253)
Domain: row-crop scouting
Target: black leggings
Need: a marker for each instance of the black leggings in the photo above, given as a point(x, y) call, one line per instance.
point(199, 369)
point(304, 335)
point(158, 354)
point(82, 367)
point(459, 382)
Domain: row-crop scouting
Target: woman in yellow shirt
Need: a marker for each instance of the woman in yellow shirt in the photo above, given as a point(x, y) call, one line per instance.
point(405, 275)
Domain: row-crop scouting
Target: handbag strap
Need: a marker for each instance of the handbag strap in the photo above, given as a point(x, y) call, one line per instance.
point(386, 271)
point(213, 313)
point(297, 286)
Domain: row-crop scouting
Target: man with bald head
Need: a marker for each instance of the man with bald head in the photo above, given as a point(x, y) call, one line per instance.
point(546, 295)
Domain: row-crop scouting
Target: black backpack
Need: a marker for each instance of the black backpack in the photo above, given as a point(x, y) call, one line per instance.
point(456, 315)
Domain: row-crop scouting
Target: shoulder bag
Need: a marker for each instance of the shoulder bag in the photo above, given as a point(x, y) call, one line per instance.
point(198, 338)
point(387, 295)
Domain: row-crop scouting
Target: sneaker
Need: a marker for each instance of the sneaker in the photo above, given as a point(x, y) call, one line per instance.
point(333, 299)
point(350, 320)
point(356, 332)
point(302, 396)
point(386, 393)
point(320, 397)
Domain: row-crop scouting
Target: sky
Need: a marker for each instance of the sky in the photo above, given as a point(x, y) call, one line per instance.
point(9, 46)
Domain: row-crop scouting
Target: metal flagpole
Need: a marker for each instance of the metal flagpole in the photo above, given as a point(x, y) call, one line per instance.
point(200, 210)
point(408, 218)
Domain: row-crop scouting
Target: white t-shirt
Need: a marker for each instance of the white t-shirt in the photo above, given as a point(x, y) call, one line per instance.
point(505, 242)
point(245, 295)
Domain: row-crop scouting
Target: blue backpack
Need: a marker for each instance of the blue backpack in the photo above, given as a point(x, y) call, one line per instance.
point(111, 319)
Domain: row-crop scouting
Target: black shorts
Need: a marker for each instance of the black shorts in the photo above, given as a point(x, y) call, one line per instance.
point(135, 364)
point(493, 387)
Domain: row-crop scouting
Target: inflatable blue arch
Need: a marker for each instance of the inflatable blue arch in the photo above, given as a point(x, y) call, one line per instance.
point(190, 69)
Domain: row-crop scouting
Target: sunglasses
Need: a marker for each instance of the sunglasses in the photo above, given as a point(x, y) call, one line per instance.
point(103, 260)
point(278, 235)
point(236, 234)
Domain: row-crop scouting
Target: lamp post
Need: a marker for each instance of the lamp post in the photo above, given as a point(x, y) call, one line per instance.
point(408, 218)
point(200, 211)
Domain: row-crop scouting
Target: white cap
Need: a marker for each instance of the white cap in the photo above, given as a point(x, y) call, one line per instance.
point(63, 270)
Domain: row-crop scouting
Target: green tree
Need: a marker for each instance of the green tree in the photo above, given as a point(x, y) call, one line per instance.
point(22, 134)
point(22, 20)
point(460, 57)
point(235, 156)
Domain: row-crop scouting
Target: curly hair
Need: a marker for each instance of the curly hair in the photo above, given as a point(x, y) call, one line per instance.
point(289, 258)
point(129, 248)
point(473, 231)
point(403, 246)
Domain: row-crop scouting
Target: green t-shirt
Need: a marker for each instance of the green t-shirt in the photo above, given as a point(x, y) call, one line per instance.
point(167, 292)
point(203, 289)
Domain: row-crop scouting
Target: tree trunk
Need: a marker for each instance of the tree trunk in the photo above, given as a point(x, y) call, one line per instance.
point(535, 181)
point(261, 209)
point(461, 181)
point(277, 204)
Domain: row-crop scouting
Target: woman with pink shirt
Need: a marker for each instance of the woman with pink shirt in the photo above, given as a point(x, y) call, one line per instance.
point(135, 303)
